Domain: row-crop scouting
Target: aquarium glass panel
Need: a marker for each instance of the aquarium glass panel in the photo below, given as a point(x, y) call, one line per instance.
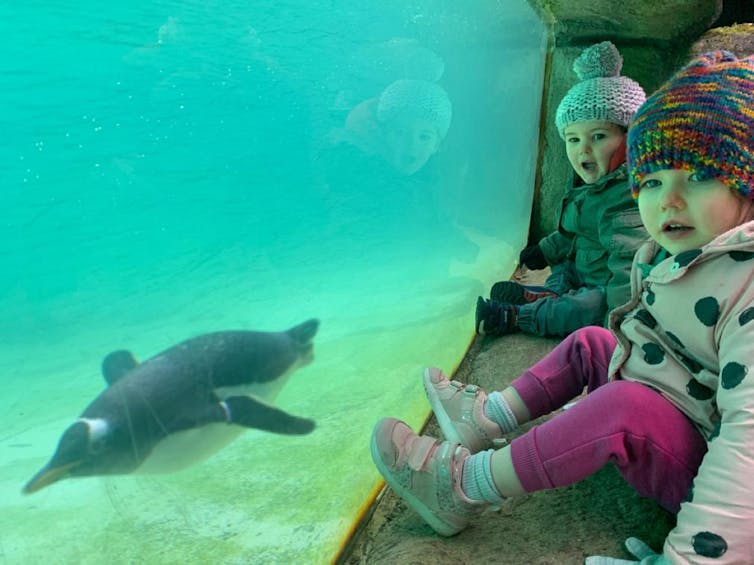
point(233, 235)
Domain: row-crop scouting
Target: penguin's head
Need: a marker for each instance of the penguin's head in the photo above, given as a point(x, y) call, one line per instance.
point(84, 449)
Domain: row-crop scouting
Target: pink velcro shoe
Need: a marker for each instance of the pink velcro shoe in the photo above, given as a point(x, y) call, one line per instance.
point(459, 410)
point(426, 473)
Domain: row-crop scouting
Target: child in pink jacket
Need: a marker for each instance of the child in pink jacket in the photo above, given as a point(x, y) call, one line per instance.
point(670, 399)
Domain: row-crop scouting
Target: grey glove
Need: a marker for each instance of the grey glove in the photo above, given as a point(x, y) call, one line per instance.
point(635, 547)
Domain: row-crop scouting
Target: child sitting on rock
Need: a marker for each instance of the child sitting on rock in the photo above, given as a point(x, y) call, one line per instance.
point(599, 228)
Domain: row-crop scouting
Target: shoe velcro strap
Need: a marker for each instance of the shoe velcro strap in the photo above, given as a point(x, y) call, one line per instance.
point(420, 452)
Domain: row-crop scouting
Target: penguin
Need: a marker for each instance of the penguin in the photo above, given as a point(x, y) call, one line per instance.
point(182, 405)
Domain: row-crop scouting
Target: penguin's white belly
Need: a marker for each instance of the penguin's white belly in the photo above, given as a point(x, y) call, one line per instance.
point(266, 391)
point(183, 449)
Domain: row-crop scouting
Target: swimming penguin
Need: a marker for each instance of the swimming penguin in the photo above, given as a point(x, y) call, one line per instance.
point(182, 405)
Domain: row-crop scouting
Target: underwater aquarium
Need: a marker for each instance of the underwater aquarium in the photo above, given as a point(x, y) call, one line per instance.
point(176, 169)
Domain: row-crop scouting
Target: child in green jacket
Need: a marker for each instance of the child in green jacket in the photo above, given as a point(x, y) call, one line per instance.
point(599, 228)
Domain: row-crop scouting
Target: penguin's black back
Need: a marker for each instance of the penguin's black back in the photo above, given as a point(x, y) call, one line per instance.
point(149, 401)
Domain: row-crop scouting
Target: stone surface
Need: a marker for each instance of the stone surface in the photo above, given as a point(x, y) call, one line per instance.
point(645, 21)
point(653, 37)
point(556, 527)
point(738, 39)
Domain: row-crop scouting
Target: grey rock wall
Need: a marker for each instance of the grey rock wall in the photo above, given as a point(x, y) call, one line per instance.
point(654, 37)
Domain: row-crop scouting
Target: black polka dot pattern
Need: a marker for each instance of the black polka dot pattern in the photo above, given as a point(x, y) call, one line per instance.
point(689, 494)
point(715, 431)
point(741, 255)
point(732, 375)
point(646, 318)
point(650, 296)
point(707, 310)
point(676, 339)
point(693, 306)
point(686, 257)
point(746, 316)
point(698, 391)
point(691, 364)
point(653, 353)
point(708, 544)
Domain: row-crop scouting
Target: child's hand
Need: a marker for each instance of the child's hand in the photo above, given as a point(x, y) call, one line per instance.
point(533, 258)
point(635, 547)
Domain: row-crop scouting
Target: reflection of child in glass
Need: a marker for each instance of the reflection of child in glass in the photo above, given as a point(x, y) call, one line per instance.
point(599, 228)
point(670, 396)
point(404, 126)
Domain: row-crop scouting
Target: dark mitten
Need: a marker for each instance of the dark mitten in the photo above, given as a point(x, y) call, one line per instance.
point(533, 258)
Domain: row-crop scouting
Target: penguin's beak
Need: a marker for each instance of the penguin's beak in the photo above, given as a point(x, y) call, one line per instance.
point(47, 476)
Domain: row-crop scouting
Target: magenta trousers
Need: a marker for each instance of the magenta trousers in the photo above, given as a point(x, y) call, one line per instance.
point(654, 445)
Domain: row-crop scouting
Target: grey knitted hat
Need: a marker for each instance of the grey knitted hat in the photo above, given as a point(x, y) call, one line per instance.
point(602, 94)
point(419, 98)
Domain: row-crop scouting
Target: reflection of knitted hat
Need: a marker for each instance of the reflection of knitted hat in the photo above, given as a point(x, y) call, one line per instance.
point(417, 99)
point(602, 94)
point(702, 119)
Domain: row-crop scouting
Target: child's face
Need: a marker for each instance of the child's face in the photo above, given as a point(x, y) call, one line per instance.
point(410, 142)
point(682, 210)
point(590, 146)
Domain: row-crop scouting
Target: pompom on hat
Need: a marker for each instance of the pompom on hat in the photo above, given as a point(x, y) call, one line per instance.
point(416, 98)
point(700, 120)
point(603, 93)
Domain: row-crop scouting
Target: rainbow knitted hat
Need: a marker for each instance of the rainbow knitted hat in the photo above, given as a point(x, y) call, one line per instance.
point(701, 120)
point(603, 93)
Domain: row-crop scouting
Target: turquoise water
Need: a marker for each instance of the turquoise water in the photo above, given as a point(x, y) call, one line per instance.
point(163, 177)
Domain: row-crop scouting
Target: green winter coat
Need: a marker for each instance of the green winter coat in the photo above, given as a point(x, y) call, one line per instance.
point(599, 231)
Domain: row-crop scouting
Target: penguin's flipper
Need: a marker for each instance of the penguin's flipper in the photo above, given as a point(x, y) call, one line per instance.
point(251, 413)
point(116, 364)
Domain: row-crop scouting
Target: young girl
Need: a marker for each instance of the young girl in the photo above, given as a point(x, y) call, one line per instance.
point(599, 228)
point(670, 400)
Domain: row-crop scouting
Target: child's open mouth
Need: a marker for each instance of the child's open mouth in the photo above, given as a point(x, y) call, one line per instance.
point(675, 227)
point(676, 231)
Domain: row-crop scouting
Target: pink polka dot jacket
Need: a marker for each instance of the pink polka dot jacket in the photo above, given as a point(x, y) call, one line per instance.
point(688, 332)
